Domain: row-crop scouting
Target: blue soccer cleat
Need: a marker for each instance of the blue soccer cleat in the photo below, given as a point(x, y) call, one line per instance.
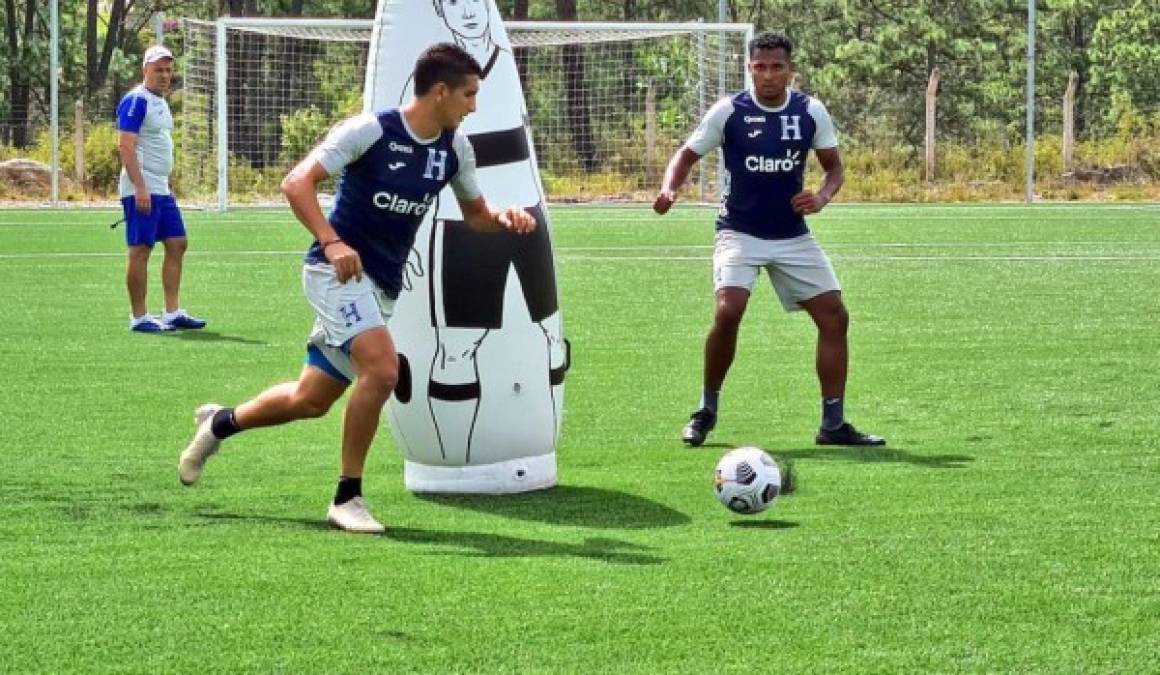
point(147, 323)
point(180, 320)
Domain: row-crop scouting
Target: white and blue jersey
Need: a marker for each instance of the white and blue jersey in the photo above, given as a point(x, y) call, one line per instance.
point(390, 179)
point(147, 114)
point(765, 158)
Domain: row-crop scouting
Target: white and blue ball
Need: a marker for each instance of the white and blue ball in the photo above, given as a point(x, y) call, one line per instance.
point(747, 480)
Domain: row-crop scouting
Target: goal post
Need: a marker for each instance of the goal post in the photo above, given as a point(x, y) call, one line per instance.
point(607, 102)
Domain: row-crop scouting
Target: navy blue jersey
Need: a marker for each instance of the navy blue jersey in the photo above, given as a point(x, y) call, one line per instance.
point(765, 158)
point(390, 179)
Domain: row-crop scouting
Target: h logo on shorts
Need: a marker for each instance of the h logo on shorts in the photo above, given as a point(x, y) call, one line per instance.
point(350, 313)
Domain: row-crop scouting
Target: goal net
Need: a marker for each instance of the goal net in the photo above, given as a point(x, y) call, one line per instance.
point(608, 103)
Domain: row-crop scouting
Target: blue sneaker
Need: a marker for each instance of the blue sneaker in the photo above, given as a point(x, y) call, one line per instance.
point(181, 320)
point(147, 323)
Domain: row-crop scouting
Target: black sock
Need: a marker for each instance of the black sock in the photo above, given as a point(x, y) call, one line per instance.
point(224, 425)
point(832, 415)
point(348, 489)
point(709, 400)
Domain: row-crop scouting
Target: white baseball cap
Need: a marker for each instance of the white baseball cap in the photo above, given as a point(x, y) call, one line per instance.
point(156, 53)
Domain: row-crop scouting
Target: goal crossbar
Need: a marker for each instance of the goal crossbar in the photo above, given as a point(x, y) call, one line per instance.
point(521, 33)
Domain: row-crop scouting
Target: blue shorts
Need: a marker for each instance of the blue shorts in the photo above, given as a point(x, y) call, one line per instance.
point(162, 222)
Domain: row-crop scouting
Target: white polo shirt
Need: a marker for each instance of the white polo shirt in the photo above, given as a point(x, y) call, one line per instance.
point(146, 114)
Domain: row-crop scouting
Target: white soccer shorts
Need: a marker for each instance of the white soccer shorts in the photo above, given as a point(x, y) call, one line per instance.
point(798, 268)
point(342, 311)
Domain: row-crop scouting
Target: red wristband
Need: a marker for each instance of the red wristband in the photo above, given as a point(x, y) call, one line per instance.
point(328, 242)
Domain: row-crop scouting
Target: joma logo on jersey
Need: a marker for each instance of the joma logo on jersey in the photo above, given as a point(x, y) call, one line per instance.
point(759, 164)
point(400, 147)
point(752, 119)
point(406, 207)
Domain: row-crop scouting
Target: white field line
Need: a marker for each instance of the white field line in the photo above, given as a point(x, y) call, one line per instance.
point(683, 247)
point(903, 245)
point(242, 211)
point(605, 221)
point(633, 213)
point(565, 254)
point(887, 258)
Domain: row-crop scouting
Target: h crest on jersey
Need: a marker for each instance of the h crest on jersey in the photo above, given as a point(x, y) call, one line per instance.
point(791, 127)
point(436, 164)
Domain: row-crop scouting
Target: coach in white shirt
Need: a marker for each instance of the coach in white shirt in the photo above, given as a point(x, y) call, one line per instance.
point(145, 144)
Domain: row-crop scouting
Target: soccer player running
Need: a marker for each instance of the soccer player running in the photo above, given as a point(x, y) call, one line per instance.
point(766, 135)
point(392, 166)
point(145, 146)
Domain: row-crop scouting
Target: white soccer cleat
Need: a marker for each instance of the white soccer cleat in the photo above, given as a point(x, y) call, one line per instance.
point(203, 445)
point(353, 517)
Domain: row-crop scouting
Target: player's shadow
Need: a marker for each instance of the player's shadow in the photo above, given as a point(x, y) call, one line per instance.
point(571, 505)
point(226, 517)
point(870, 454)
point(210, 336)
point(476, 544)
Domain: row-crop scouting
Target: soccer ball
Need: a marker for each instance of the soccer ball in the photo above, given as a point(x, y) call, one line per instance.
point(747, 480)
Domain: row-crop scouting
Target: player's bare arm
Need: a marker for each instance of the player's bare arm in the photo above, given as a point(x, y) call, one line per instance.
point(675, 174)
point(300, 187)
point(127, 148)
point(807, 201)
point(480, 217)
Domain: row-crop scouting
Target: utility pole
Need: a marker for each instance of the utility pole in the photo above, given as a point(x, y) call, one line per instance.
point(54, 94)
point(1030, 190)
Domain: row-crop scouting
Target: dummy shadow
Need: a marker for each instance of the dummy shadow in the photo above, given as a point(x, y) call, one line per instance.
point(571, 505)
point(476, 544)
point(487, 545)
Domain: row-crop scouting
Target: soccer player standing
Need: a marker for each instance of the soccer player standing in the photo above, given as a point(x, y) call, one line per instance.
point(145, 145)
point(392, 165)
point(766, 135)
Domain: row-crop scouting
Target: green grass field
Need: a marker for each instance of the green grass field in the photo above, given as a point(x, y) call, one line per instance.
point(1010, 354)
